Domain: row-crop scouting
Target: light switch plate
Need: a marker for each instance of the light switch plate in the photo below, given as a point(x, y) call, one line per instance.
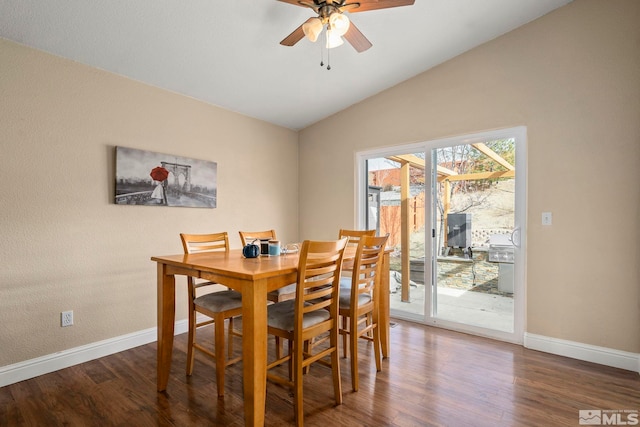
point(547, 218)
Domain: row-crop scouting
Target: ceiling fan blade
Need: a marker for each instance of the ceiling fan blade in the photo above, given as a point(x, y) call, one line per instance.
point(357, 39)
point(366, 5)
point(309, 3)
point(347, 7)
point(294, 2)
point(295, 36)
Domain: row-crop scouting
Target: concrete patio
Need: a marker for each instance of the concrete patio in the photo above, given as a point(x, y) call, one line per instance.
point(463, 306)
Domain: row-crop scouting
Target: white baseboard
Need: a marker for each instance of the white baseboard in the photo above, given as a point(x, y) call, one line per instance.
point(589, 353)
point(21, 371)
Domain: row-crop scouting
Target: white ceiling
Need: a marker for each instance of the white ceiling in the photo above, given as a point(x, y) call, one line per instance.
point(227, 53)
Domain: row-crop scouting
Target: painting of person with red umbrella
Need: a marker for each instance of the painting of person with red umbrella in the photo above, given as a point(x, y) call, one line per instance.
point(158, 179)
point(159, 174)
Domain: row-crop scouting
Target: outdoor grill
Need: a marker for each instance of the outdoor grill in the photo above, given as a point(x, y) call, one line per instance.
point(501, 251)
point(501, 248)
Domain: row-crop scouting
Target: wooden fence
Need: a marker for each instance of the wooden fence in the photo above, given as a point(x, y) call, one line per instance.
point(391, 216)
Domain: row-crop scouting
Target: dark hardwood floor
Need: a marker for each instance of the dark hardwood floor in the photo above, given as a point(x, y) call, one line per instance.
point(434, 377)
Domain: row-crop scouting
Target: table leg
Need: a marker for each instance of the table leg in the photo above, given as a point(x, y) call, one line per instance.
point(166, 322)
point(254, 351)
point(384, 306)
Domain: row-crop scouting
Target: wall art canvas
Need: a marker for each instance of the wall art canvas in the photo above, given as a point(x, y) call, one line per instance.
point(156, 179)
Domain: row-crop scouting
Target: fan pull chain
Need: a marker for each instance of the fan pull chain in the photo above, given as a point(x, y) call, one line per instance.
point(326, 42)
point(322, 45)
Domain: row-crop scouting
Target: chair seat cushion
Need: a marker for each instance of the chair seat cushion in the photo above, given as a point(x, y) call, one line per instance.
point(345, 294)
point(289, 289)
point(282, 316)
point(219, 301)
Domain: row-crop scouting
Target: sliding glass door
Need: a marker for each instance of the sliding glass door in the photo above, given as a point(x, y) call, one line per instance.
point(454, 211)
point(473, 197)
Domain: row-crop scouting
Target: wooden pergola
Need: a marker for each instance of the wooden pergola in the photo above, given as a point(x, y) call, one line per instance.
point(445, 176)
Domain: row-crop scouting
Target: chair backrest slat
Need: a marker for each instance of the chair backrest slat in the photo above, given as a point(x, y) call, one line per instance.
point(318, 286)
point(195, 243)
point(354, 236)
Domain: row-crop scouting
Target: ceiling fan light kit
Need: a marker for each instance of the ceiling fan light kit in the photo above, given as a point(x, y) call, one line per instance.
point(330, 15)
point(336, 23)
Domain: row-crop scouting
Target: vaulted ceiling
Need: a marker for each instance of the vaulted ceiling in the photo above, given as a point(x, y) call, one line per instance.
point(227, 53)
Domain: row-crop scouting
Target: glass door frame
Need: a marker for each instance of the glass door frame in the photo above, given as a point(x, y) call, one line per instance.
point(361, 184)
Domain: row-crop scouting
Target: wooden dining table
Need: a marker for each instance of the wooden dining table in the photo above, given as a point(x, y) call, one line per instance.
point(253, 278)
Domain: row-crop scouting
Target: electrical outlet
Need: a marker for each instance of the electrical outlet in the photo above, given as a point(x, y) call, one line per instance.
point(66, 318)
point(547, 218)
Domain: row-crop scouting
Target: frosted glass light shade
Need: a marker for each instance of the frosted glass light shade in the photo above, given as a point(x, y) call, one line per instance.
point(333, 39)
point(339, 23)
point(312, 29)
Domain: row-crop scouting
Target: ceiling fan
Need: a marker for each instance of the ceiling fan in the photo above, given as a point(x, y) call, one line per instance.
point(330, 15)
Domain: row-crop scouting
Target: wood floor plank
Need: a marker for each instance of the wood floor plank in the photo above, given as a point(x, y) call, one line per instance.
point(434, 377)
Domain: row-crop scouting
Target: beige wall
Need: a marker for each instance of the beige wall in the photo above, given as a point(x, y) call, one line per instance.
point(64, 244)
point(573, 78)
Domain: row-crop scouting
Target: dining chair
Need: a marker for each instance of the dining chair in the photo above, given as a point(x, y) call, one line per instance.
point(313, 312)
point(217, 306)
point(353, 237)
point(358, 306)
point(282, 294)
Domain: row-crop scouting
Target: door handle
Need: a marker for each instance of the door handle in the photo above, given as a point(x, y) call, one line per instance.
point(516, 231)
